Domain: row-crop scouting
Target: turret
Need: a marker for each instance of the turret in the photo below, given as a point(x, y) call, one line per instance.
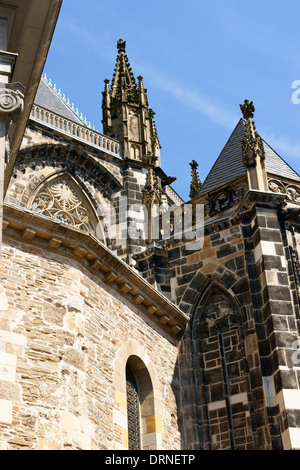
point(126, 113)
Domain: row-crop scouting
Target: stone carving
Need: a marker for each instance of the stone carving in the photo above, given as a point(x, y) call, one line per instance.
point(224, 199)
point(291, 190)
point(151, 194)
point(217, 313)
point(60, 201)
point(247, 109)
point(11, 105)
point(252, 145)
point(11, 99)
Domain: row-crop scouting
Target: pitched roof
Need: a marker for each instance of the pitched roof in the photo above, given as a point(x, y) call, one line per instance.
point(229, 165)
point(50, 98)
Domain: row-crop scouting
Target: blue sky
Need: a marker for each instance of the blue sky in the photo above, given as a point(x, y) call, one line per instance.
point(199, 61)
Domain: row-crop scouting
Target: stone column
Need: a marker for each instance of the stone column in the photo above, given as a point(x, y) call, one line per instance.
point(11, 105)
point(274, 314)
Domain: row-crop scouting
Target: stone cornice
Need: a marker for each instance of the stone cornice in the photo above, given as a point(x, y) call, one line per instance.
point(263, 197)
point(51, 235)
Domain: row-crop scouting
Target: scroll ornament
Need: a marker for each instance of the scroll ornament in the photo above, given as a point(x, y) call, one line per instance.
point(11, 99)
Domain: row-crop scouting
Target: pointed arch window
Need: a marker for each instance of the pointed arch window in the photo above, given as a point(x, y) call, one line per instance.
point(223, 376)
point(62, 200)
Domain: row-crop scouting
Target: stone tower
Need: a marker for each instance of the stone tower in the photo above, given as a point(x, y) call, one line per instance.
point(126, 113)
point(128, 118)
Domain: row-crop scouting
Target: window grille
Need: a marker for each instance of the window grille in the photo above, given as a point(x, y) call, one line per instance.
point(133, 411)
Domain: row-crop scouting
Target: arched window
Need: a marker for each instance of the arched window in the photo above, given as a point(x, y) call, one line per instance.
point(61, 199)
point(141, 418)
point(133, 411)
point(222, 373)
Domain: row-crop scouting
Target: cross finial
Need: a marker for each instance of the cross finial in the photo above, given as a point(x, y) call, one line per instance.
point(247, 109)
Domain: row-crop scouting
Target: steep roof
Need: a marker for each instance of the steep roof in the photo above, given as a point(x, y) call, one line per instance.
point(229, 165)
point(50, 98)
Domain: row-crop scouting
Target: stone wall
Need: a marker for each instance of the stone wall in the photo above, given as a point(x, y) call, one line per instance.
point(222, 401)
point(65, 338)
point(275, 308)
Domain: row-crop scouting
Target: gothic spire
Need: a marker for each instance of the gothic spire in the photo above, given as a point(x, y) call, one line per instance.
point(123, 79)
point(126, 113)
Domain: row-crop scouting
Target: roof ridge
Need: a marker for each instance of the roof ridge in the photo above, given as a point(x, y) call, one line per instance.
point(66, 102)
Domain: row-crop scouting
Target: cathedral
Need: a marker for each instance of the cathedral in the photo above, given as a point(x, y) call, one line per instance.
point(132, 319)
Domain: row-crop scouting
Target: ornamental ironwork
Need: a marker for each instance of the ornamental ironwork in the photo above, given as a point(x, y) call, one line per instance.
point(133, 411)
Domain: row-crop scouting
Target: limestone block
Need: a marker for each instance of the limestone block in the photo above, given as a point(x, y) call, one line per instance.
point(7, 367)
point(5, 411)
point(75, 431)
point(43, 444)
point(54, 313)
point(13, 338)
point(10, 391)
point(3, 301)
point(75, 322)
point(75, 302)
point(75, 358)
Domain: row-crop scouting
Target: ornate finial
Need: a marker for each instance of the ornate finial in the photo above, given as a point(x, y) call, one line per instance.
point(196, 183)
point(121, 45)
point(247, 109)
point(253, 151)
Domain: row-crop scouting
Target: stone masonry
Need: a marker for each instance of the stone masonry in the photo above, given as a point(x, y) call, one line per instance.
point(61, 332)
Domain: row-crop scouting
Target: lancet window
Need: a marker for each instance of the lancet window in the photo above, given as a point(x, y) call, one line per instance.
point(222, 371)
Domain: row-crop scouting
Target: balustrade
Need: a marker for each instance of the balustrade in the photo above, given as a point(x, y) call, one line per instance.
point(83, 133)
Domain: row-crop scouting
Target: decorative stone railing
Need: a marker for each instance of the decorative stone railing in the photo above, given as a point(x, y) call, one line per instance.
point(292, 190)
point(77, 131)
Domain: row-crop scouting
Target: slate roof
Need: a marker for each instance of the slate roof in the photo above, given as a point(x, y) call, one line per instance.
point(229, 164)
point(49, 99)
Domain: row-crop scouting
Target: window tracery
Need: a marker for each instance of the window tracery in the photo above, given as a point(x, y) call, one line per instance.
point(222, 371)
point(60, 200)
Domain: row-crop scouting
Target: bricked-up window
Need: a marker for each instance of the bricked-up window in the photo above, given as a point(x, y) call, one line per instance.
point(133, 411)
point(222, 374)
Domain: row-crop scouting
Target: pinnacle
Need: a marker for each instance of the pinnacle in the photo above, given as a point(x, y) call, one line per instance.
point(247, 109)
point(123, 72)
point(121, 45)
